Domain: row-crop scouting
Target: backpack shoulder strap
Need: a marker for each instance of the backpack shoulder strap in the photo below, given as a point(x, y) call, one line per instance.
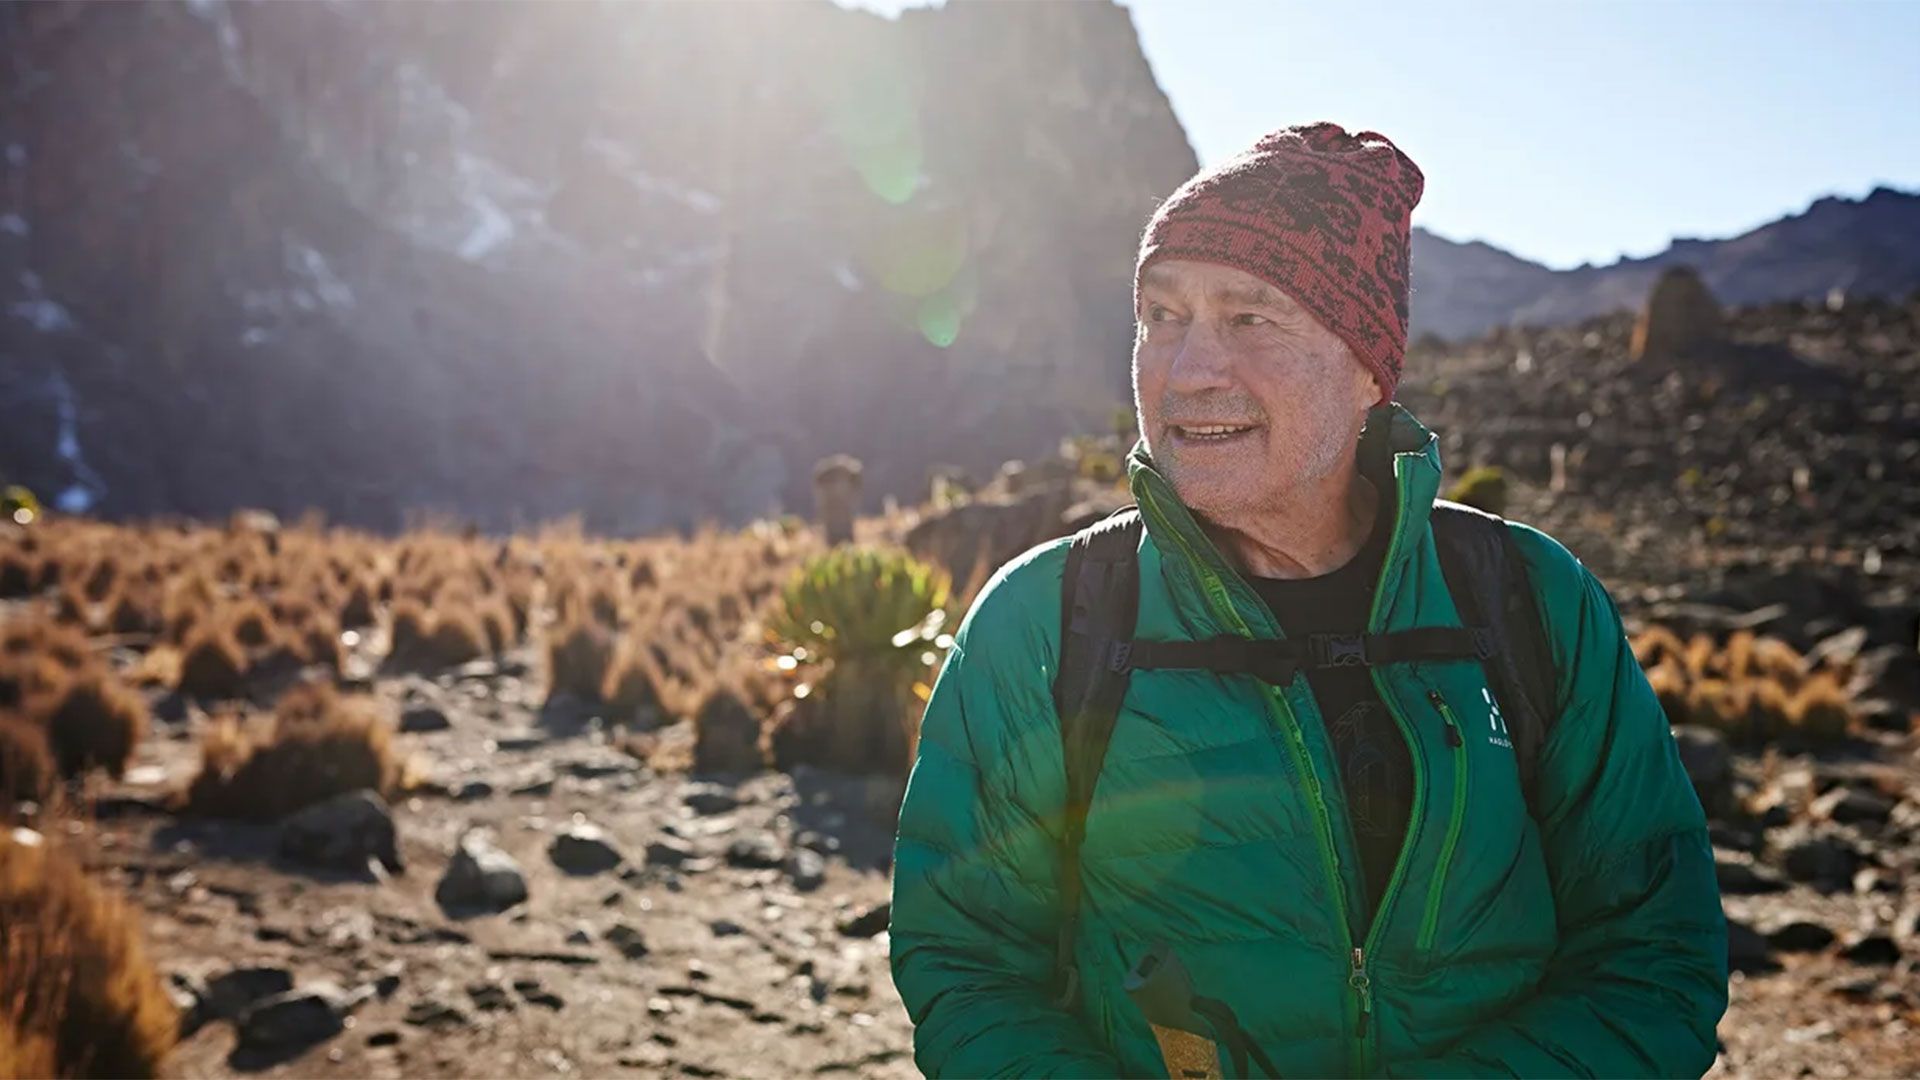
point(1487, 577)
point(1099, 601)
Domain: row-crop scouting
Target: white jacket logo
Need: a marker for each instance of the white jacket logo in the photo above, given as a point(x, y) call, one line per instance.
point(1494, 720)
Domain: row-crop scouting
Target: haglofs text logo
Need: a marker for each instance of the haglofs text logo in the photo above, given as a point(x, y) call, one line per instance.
point(1495, 721)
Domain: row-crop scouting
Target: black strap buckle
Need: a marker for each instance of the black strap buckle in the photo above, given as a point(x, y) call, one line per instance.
point(1338, 650)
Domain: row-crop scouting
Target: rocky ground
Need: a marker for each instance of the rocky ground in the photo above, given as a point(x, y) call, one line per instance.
point(727, 926)
point(734, 926)
point(703, 927)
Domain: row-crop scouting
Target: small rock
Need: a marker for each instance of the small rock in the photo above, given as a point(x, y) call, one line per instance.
point(470, 790)
point(709, 799)
point(868, 921)
point(631, 943)
point(533, 992)
point(515, 743)
point(294, 1018)
point(1740, 876)
point(726, 928)
point(424, 718)
point(756, 851)
point(1849, 805)
point(668, 853)
point(384, 1037)
point(1874, 879)
point(1820, 858)
point(1747, 950)
point(1733, 837)
point(490, 997)
point(584, 849)
point(1876, 948)
point(1856, 987)
point(1709, 765)
point(595, 768)
point(808, 869)
point(434, 1013)
point(228, 995)
point(1800, 935)
point(480, 877)
point(540, 784)
point(342, 833)
point(580, 936)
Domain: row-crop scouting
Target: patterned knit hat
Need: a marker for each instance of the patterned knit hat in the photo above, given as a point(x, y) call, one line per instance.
point(1319, 214)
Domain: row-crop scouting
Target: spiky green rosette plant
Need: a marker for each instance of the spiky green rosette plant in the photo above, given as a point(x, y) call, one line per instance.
point(866, 627)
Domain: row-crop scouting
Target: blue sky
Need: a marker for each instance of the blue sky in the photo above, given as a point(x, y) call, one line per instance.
point(1561, 130)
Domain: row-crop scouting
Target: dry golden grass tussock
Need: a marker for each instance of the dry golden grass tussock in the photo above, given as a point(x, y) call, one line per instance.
point(95, 721)
point(579, 652)
point(317, 744)
point(19, 575)
point(78, 996)
point(1753, 688)
point(27, 771)
point(727, 729)
point(213, 665)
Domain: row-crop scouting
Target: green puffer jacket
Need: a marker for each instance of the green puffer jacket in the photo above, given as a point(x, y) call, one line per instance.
point(1588, 943)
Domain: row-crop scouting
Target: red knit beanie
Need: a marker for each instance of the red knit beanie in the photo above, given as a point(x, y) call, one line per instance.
point(1320, 215)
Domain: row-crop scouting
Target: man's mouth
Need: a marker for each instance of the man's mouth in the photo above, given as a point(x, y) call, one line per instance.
point(1211, 433)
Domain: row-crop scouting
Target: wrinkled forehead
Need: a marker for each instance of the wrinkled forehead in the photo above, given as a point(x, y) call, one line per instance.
point(1189, 280)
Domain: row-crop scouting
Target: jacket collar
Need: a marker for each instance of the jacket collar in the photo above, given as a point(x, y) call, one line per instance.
point(1396, 451)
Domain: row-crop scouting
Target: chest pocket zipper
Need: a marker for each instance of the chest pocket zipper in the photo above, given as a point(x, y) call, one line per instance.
point(1456, 742)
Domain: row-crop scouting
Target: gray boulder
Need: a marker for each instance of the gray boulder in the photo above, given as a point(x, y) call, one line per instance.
point(342, 833)
point(295, 1018)
point(584, 849)
point(480, 877)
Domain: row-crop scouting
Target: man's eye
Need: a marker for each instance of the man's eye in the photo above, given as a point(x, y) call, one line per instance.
point(1248, 318)
point(1156, 313)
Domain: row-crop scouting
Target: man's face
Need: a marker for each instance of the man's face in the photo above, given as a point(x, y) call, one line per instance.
point(1242, 395)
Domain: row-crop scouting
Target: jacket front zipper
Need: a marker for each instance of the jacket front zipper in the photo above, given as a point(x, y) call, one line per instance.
point(1358, 979)
point(1214, 589)
point(1430, 922)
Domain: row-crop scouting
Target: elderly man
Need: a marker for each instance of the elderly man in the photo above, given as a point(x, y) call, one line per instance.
point(1296, 770)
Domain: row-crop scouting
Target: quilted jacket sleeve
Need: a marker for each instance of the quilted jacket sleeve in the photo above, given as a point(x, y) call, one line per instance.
point(974, 892)
point(1640, 979)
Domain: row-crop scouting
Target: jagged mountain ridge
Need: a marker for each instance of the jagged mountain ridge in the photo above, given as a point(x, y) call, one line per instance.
point(1864, 247)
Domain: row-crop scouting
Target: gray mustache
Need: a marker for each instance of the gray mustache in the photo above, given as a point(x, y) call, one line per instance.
point(1189, 410)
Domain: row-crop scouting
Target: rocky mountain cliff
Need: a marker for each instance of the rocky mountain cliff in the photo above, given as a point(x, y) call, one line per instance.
point(1862, 247)
point(641, 262)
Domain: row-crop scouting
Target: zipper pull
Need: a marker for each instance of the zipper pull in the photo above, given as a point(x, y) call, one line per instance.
point(1364, 987)
point(1446, 716)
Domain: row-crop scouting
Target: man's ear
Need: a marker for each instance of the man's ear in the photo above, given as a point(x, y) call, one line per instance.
point(1366, 388)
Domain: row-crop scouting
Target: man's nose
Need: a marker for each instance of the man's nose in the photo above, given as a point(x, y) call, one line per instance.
point(1203, 362)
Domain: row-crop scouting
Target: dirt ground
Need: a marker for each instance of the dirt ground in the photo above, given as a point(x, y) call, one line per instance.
point(734, 960)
